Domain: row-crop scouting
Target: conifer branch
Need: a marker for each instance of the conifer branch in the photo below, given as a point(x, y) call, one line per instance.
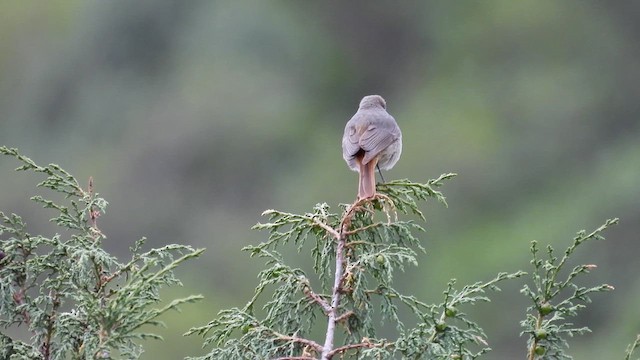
point(77, 300)
point(335, 292)
point(364, 252)
point(546, 321)
point(632, 347)
point(319, 300)
point(314, 345)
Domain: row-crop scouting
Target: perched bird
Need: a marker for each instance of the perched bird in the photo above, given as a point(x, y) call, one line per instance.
point(371, 139)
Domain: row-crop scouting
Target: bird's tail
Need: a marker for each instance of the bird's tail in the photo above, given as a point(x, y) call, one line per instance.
point(367, 179)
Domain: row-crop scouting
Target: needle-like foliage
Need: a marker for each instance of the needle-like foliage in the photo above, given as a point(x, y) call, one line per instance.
point(632, 347)
point(556, 296)
point(76, 300)
point(355, 255)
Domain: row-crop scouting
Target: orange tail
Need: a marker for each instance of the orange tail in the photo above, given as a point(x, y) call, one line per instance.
point(367, 179)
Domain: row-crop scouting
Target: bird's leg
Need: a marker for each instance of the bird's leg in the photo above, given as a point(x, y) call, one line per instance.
point(380, 172)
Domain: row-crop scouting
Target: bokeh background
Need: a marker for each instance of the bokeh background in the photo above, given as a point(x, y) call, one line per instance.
point(195, 116)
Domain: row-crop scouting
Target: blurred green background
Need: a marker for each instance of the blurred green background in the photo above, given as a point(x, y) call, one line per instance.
point(195, 116)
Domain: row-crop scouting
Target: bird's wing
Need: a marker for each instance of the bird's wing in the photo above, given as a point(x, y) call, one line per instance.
point(350, 141)
point(375, 139)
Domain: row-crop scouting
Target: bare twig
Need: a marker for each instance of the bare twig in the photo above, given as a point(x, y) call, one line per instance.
point(318, 299)
point(344, 316)
point(300, 340)
point(333, 317)
point(364, 344)
point(352, 244)
point(328, 228)
point(632, 347)
point(335, 298)
point(364, 228)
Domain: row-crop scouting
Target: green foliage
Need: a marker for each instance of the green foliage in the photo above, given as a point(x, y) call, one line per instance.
point(79, 302)
point(632, 347)
point(76, 300)
point(557, 297)
point(366, 244)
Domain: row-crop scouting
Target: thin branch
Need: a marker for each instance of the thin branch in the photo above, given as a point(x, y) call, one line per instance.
point(46, 345)
point(580, 239)
point(352, 244)
point(337, 279)
point(318, 299)
point(328, 228)
point(300, 340)
point(335, 299)
point(632, 347)
point(534, 343)
point(344, 316)
point(333, 317)
point(345, 348)
point(364, 228)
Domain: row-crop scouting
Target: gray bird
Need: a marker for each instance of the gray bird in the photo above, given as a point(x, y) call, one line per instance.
point(371, 139)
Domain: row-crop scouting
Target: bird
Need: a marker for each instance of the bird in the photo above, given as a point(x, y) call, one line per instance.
point(372, 139)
